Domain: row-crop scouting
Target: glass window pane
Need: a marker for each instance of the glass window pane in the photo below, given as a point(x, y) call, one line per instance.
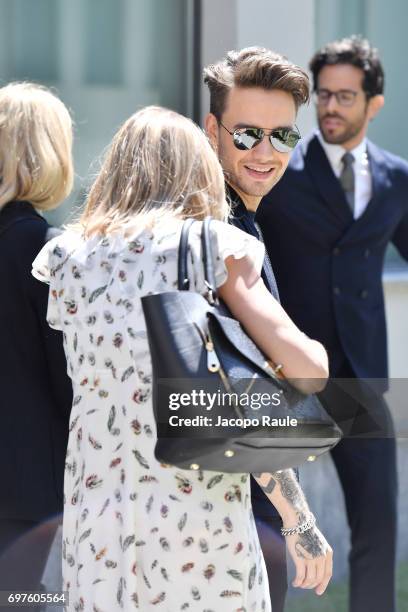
point(103, 41)
point(339, 18)
point(33, 40)
point(168, 65)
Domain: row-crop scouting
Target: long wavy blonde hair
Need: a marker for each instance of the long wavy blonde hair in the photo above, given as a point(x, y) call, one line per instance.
point(158, 165)
point(35, 146)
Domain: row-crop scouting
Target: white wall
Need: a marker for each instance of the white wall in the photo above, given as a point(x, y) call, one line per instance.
point(218, 35)
point(286, 27)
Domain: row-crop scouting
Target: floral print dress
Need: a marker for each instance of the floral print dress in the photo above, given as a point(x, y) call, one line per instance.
point(139, 535)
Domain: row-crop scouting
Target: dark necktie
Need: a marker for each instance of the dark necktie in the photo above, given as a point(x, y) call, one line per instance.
point(347, 179)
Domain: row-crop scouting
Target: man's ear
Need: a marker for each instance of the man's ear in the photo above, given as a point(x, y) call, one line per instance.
point(375, 104)
point(211, 128)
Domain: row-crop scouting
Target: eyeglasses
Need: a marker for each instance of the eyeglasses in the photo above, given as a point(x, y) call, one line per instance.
point(344, 97)
point(283, 140)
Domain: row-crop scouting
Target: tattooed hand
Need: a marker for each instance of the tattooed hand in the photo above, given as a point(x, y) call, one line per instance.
point(311, 554)
point(313, 559)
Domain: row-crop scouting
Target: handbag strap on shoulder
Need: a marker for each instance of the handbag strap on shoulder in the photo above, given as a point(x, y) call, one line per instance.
point(209, 272)
point(183, 282)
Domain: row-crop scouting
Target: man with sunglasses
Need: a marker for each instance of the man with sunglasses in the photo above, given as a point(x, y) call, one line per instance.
point(326, 228)
point(254, 97)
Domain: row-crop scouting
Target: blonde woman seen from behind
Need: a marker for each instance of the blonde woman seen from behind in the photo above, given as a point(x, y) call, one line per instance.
point(138, 533)
point(36, 394)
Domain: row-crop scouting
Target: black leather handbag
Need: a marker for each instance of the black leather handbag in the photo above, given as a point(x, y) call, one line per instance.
point(218, 404)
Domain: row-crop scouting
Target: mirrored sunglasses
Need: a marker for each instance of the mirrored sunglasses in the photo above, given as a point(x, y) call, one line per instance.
point(283, 140)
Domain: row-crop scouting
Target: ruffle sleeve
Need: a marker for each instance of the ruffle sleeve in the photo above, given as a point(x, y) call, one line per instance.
point(43, 270)
point(226, 241)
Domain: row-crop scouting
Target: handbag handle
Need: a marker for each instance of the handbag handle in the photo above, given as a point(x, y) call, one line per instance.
point(209, 272)
point(183, 282)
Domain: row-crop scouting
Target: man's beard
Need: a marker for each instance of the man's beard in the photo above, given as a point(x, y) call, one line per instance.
point(245, 185)
point(350, 129)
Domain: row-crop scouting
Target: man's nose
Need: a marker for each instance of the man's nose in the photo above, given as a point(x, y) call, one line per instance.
point(332, 103)
point(265, 148)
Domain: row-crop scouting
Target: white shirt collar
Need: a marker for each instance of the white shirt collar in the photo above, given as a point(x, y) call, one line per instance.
point(363, 185)
point(335, 152)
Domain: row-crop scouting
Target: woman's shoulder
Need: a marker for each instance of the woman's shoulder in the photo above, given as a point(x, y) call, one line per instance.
point(228, 240)
point(85, 254)
point(20, 219)
point(21, 237)
point(54, 252)
point(225, 241)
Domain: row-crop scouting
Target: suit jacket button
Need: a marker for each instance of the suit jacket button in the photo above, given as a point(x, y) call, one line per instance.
point(336, 251)
point(336, 291)
point(363, 294)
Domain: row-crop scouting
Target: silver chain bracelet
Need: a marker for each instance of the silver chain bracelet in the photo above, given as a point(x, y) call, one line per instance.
point(301, 528)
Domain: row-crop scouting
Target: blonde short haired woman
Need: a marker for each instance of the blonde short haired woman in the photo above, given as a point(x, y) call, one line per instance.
point(36, 174)
point(35, 146)
point(138, 533)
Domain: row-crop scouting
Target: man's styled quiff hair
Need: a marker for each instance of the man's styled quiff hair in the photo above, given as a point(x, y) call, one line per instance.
point(355, 51)
point(254, 67)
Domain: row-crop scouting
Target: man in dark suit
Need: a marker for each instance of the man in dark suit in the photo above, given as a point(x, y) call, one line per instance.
point(326, 227)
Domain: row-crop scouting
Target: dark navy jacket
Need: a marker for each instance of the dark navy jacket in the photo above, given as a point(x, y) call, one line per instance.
point(244, 220)
point(328, 266)
point(35, 391)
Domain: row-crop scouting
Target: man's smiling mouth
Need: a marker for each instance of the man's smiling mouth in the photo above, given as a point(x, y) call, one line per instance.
point(261, 171)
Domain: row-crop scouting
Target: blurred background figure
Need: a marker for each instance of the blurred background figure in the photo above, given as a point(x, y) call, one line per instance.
point(36, 175)
point(326, 227)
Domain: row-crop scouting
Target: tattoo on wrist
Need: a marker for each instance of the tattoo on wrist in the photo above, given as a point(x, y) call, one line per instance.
point(292, 492)
point(308, 544)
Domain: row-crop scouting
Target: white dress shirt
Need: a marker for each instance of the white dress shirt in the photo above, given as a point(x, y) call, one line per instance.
point(362, 173)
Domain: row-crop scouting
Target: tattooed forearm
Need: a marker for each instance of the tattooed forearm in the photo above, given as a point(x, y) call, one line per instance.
point(288, 487)
point(267, 487)
point(285, 493)
point(291, 491)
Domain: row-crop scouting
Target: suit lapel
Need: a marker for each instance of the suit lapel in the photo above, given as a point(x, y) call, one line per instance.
point(326, 182)
point(379, 179)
